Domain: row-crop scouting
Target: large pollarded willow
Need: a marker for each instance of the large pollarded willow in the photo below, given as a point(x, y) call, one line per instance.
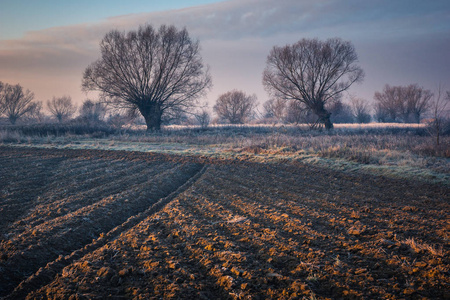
point(312, 72)
point(153, 72)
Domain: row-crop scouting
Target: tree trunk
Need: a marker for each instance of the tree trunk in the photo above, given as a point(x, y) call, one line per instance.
point(327, 122)
point(12, 119)
point(417, 118)
point(438, 131)
point(152, 114)
point(324, 117)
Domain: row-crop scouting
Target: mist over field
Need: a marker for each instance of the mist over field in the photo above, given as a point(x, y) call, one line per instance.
point(239, 149)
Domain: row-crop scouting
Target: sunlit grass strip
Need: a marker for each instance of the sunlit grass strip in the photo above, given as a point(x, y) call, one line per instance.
point(398, 150)
point(301, 126)
point(396, 164)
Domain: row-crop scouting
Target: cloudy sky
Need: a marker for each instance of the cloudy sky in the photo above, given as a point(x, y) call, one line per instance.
point(46, 45)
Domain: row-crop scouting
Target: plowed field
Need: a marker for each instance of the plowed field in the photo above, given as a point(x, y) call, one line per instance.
point(91, 224)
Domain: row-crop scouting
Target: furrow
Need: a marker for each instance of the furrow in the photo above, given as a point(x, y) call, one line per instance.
point(91, 194)
point(46, 274)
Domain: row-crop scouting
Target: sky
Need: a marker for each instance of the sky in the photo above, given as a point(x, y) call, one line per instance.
point(46, 45)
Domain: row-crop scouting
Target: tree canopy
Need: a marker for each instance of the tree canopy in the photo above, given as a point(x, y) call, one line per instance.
point(312, 72)
point(151, 71)
point(235, 106)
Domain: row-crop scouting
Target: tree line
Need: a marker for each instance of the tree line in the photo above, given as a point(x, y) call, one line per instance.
point(159, 74)
point(17, 103)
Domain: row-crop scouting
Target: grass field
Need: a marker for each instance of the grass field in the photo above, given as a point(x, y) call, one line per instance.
point(89, 224)
point(395, 150)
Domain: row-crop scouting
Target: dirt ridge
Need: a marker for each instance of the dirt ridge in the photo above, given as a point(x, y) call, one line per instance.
point(46, 274)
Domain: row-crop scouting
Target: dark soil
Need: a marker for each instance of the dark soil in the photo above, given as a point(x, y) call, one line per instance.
point(88, 224)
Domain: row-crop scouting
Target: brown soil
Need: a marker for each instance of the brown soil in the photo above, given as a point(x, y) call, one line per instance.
point(88, 224)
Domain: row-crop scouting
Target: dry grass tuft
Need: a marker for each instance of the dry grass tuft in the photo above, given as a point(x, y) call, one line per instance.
point(418, 247)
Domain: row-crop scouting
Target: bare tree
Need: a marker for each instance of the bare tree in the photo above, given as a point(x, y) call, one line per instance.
point(402, 103)
point(15, 102)
point(360, 109)
point(34, 114)
point(380, 113)
point(275, 108)
point(389, 103)
point(440, 113)
point(93, 111)
point(340, 112)
point(61, 108)
point(312, 72)
point(150, 71)
point(235, 106)
point(203, 118)
point(418, 101)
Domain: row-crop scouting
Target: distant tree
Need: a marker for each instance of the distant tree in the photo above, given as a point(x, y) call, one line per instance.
point(275, 108)
point(418, 101)
point(235, 106)
point(312, 72)
point(360, 110)
point(402, 103)
point(14, 101)
point(203, 118)
point(153, 72)
point(389, 103)
point(440, 115)
point(61, 108)
point(35, 114)
point(340, 112)
point(93, 111)
point(381, 114)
